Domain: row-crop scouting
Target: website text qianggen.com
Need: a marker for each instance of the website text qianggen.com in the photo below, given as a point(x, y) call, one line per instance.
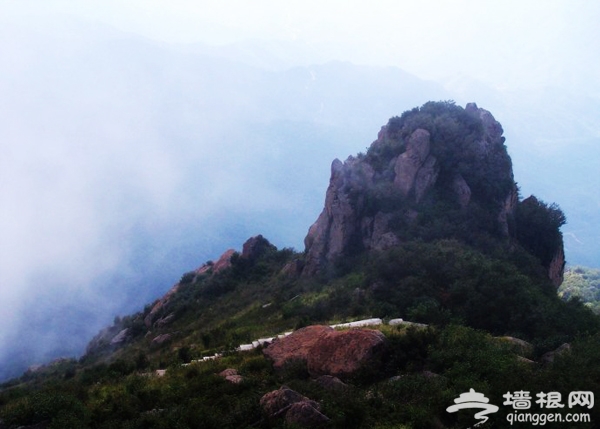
point(542, 418)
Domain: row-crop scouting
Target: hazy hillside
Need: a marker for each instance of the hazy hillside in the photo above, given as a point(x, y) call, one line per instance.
point(170, 155)
point(427, 225)
point(167, 158)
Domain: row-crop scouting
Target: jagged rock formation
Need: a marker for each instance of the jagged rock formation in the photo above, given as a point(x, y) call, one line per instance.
point(556, 269)
point(436, 159)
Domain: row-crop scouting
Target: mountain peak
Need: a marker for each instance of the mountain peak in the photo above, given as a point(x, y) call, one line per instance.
point(438, 171)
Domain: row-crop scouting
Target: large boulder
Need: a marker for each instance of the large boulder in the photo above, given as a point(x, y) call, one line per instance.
point(295, 347)
point(345, 353)
point(231, 375)
point(279, 401)
point(325, 351)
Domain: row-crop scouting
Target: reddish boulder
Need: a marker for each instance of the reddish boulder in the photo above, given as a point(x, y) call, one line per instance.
point(344, 353)
point(295, 347)
point(326, 351)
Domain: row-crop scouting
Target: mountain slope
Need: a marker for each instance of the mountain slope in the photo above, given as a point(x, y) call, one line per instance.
point(457, 249)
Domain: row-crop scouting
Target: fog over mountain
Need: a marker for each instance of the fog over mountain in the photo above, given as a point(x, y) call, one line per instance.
point(128, 161)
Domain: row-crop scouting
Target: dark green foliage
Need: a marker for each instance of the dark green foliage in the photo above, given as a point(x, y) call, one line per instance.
point(448, 281)
point(187, 278)
point(538, 228)
point(46, 406)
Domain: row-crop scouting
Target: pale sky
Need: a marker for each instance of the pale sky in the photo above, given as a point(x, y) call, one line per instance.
point(508, 43)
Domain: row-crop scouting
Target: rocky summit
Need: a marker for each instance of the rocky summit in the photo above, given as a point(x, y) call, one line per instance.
point(437, 157)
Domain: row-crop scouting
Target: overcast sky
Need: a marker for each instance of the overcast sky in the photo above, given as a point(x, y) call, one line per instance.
point(508, 43)
point(74, 176)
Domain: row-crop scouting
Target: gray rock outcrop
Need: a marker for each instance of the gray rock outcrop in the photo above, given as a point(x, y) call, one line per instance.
point(371, 199)
point(416, 169)
point(296, 409)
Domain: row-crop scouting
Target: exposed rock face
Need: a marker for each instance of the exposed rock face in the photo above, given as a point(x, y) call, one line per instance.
point(338, 223)
point(326, 351)
point(159, 304)
point(293, 268)
point(556, 270)
point(416, 170)
point(462, 190)
point(121, 337)
point(462, 158)
point(164, 321)
point(224, 261)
